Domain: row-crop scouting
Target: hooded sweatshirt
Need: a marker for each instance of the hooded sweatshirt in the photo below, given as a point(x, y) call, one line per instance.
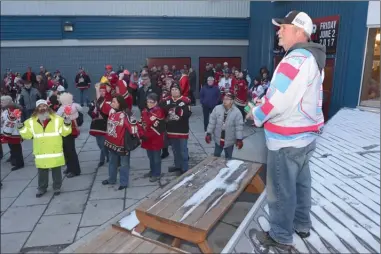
point(291, 110)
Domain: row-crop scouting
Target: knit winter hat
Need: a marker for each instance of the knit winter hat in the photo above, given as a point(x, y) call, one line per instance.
point(39, 102)
point(175, 85)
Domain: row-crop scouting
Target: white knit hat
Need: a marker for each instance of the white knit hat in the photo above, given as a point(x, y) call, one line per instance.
point(39, 102)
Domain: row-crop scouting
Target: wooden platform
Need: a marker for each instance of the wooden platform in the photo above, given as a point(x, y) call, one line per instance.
point(118, 241)
point(345, 191)
point(190, 207)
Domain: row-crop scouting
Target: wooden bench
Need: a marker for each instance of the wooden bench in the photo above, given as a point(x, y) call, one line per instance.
point(114, 240)
point(345, 170)
point(188, 208)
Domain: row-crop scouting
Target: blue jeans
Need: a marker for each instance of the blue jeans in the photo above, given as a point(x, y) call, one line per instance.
point(83, 96)
point(154, 162)
point(180, 152)
point(289, 191)
point(124, 171)
point(228, 151)
point(101, 144)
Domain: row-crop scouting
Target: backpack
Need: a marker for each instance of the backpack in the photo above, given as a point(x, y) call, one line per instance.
point(131, 140)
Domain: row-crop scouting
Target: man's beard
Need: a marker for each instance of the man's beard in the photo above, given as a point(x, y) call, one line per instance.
point(43, 116)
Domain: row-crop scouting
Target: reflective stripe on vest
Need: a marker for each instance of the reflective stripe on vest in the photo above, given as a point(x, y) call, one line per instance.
point(52, 155)
point(49, 134)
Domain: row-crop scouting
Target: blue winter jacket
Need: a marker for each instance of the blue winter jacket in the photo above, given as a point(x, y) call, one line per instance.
point(209, 96)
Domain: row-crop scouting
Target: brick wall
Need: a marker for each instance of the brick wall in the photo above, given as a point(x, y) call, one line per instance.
point(94, 58)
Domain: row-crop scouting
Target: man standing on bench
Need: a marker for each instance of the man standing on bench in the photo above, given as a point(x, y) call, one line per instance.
point(291, 112)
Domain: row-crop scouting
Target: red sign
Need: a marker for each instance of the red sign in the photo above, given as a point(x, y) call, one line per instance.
point(325, 31)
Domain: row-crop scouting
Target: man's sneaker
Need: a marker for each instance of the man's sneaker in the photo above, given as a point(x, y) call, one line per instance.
point(173, 169)
point(153, 179)
point(40, 193)
point(302, 234)
point(57, 192)
point(263, 240)
point(100, 164)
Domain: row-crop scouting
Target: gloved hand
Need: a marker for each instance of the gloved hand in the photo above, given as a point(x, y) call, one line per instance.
point(20, 125)
point(67, 120)
point(239, 143)
point(208, 138)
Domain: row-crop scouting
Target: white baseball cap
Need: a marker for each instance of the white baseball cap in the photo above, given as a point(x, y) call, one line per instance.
point(226, 63)
point(296, 18)
point(39, 102)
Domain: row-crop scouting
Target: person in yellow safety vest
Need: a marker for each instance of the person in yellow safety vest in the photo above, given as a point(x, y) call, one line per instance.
point(47, 129)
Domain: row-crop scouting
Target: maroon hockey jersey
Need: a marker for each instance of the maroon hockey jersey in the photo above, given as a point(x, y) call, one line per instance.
point(239, 89)
point(117, 124)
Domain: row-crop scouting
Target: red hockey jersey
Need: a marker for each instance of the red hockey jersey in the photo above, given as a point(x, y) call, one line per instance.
point(117, 125)
point(184, 85)
point(152, 128)
point(239, 89)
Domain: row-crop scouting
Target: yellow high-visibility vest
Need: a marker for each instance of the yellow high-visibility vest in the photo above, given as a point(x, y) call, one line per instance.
point(47, 144)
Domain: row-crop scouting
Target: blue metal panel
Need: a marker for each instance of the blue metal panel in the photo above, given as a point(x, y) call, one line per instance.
point(261, 36)
point(101, 27)
point(350, 47)
point(30, 28)
point(158, 28)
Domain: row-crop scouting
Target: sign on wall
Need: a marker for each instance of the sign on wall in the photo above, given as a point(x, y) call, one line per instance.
point(325, 32)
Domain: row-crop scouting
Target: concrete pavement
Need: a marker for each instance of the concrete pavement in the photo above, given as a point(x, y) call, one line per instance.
point(51, 223)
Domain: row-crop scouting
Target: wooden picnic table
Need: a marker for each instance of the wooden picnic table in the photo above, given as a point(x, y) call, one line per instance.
point(188, 208)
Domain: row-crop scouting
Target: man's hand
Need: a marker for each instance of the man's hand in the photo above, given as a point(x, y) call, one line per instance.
point(20, 125)
point(208, 138)
point(67, 120)
point(239, 144)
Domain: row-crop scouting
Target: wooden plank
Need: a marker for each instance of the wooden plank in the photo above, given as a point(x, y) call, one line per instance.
point(183, 179)
point(172, 228)
point(175, 211)
point(226, 202)
point(205, 206)
point(111, 245)
point(359, 211)
point(145, 247)
point(127, 247)
point(352, 230)
point(97, 242)
point(160, 249)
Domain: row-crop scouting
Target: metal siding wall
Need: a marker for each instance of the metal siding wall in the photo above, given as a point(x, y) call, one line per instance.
point(99, 27)
point(350, 47)
point(226, 8)
point(260, 37)
point(93, 59)
point(29, 28)
point(157, 28)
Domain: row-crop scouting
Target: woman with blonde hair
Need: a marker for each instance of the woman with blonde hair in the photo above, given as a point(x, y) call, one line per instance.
point(71, 157)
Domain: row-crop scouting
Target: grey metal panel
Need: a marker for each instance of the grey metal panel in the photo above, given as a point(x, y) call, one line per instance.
point(226, 8)
point(93, 59)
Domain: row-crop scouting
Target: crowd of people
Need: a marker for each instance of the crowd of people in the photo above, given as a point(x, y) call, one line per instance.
point(38, 107)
